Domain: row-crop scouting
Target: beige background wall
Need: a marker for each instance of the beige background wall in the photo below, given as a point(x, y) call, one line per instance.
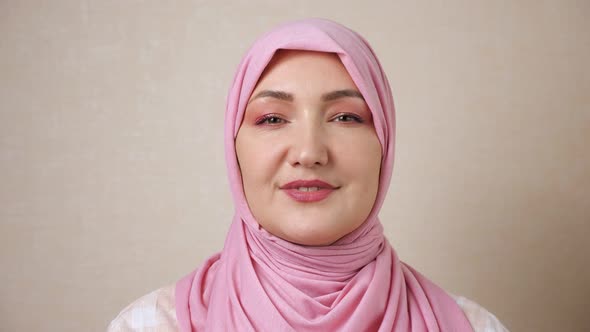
point(111, 162)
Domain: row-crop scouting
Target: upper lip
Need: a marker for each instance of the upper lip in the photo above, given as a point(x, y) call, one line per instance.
point(307, 183)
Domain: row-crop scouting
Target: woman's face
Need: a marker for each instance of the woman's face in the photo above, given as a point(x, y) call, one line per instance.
point(307, 150)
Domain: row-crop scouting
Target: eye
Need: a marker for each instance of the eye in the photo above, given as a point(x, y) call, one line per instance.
point(270, 119)
point(346, 117)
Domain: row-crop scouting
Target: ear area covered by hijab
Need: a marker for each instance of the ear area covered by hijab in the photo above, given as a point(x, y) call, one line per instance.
point(259, 282)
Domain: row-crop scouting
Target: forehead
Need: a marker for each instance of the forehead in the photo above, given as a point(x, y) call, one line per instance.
point(311, 67)
point(282, 55)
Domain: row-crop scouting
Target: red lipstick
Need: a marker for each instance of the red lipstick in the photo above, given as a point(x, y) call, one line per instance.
point(308, 191)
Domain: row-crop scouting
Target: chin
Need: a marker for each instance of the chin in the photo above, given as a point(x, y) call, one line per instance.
point(311, 236)
point(308, 229)
point(312, 242)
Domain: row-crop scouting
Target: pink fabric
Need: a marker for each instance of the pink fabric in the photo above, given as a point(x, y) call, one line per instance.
point(262, 283)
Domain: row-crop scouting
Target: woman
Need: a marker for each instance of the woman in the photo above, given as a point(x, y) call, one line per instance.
point(309, 147)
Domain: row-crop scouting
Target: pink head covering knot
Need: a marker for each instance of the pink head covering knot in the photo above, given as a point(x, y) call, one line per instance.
point(260, 282)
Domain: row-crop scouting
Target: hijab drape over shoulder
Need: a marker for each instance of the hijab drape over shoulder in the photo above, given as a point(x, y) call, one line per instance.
point(260, 282)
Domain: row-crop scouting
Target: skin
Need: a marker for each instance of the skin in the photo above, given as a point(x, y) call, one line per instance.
point(307, 120)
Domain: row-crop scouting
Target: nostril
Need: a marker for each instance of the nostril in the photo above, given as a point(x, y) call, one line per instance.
point(308, 149)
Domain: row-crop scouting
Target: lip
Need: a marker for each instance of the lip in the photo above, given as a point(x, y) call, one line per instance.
point(324, 190)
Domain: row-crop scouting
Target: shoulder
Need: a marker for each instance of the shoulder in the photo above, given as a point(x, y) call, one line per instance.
point(481, 320)
point(152, 312)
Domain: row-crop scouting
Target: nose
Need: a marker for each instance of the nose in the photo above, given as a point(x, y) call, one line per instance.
point(308, 147)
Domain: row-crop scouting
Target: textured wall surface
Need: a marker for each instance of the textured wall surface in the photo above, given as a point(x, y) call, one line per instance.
point(112, 178)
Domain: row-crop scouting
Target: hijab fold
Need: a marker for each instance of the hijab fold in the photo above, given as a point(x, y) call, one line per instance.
point(260, 282)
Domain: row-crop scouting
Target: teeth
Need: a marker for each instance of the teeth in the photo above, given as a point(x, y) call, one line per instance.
point(308, 188)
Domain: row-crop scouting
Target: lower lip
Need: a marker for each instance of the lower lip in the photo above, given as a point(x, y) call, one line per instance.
point(308, 196)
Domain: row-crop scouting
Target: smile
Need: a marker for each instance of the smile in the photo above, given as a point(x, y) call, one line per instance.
point(308, 188)
point(308, 191)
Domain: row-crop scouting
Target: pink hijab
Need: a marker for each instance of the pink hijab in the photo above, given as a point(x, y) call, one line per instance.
point(260, 282)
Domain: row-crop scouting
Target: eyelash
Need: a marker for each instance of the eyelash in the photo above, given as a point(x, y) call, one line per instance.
point(265, 119)
point(353, 117)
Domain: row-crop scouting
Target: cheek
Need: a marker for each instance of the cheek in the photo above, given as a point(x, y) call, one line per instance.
point(258, 161)
point(360, 157)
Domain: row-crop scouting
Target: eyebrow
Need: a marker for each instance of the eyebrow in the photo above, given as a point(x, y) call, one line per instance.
point(329, 96)
point(280, 95)
point(341, 94)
